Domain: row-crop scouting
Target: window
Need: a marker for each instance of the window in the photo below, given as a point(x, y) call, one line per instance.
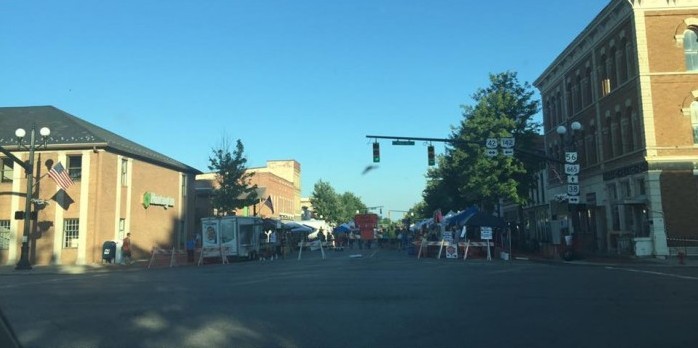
point(623, 60)
point(4, 234)
point(569, 103)
point(690, 49)
point(587, 87)
point(636, 129)
point(608, 140)
point(640, 186)
point(627, 189)
point(124, 172)
point(577, 91)
point(7, 171)
point(694, 120)
point(590, 143)
point(75, 167)
point(184, 185)
point(558, 108)
point(122, 228)
point(604, 67)
point(629, 59)
point(626, 139)
point(615, 130)
point(612, 70)
point(71, 232)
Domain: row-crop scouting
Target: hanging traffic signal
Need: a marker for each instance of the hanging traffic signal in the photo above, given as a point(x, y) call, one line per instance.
point(376, 152)
point(430, 154)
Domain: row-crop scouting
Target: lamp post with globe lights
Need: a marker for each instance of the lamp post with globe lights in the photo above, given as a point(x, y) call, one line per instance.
point(572, 169)
point(20, 133)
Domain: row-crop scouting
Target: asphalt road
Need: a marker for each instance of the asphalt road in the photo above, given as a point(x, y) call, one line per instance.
point(382, 299)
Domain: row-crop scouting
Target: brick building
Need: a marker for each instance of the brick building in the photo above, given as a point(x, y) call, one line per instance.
point(118, 187)
point(630, 79)
point(279, 179)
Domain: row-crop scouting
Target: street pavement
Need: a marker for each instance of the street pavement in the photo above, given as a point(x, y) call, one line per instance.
point(357, 298)
point(592, 260)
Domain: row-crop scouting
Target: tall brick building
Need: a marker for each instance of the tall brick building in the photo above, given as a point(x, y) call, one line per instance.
point(631, 80)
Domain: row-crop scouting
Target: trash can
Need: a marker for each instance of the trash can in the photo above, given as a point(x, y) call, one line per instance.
point(109, 251)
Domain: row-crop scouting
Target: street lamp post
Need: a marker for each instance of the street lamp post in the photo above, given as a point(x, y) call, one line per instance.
point(572, 169)
point(24, 263)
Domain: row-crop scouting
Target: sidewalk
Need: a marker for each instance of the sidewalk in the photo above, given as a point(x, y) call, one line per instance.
point(613, 260)
point(72, 269)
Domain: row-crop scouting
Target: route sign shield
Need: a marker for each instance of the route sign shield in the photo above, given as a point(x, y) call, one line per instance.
point(507, 143)
point(571, 157)
point(491, 143)
point(571, 169)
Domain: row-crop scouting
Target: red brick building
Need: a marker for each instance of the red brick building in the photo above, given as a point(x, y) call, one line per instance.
point(118, 187)
point(630, 79)
point(279, 179)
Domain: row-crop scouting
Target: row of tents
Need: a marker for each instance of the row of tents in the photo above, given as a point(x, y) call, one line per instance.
point(467, 217)
point(306, 227)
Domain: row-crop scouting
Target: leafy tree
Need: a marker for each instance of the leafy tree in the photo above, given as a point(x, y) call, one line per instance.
point(440, 192)
point(503, 109)
point(326, 202)
point(349, 204)
point(418, 211)
point(233, 190)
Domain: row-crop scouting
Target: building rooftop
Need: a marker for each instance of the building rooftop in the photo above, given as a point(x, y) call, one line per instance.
point(71, 132)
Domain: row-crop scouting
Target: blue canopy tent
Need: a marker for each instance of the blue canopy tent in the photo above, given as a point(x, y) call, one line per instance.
point(343, 228)
point(461, 217)
point(296, 227)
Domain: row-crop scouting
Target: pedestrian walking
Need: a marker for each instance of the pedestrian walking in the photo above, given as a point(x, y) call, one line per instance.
point(126, 250)
point(191, 246)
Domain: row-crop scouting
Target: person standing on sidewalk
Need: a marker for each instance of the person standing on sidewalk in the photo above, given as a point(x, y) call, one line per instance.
point(126, 250)
point(191, 245)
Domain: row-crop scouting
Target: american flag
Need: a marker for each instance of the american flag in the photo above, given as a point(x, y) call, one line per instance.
point(269, 204)
point(60, 176)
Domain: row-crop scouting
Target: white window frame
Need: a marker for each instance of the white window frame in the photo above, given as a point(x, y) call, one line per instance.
point(71, 233)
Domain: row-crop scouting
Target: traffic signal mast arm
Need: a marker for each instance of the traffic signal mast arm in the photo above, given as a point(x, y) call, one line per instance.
point(451, 141)
point(15, 159)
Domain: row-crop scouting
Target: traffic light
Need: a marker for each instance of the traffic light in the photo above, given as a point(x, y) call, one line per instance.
point(430, 154)
point(376, 152)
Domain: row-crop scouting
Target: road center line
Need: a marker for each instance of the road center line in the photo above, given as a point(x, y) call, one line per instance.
point(653, 272)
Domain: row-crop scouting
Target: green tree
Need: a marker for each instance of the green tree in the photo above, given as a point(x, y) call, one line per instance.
point(326, 202)
point(503, 109)
point(234, 189)
point(349, 204)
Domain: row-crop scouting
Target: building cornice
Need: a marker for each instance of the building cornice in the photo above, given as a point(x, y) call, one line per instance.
point(599, 28)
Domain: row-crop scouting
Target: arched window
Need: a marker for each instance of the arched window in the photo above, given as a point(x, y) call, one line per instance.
point(608, 139)
point(568, 96)
point(590, 145)
point(690, 49)
point(626, 132)
point(694, 120)
point(577, 91)
point(623, 61)
point(587, 87)
point(612, 68)
point(604, 66)
point(558, 108)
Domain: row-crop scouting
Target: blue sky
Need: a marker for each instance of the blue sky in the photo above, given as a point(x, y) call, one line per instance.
point(293, 79)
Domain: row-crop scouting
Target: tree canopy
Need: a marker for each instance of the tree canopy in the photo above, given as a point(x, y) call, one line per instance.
point(234, 190)
point(466, 175)
point(333, 207)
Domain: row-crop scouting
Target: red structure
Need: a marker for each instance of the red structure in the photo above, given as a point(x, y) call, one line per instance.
point(366, 223)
